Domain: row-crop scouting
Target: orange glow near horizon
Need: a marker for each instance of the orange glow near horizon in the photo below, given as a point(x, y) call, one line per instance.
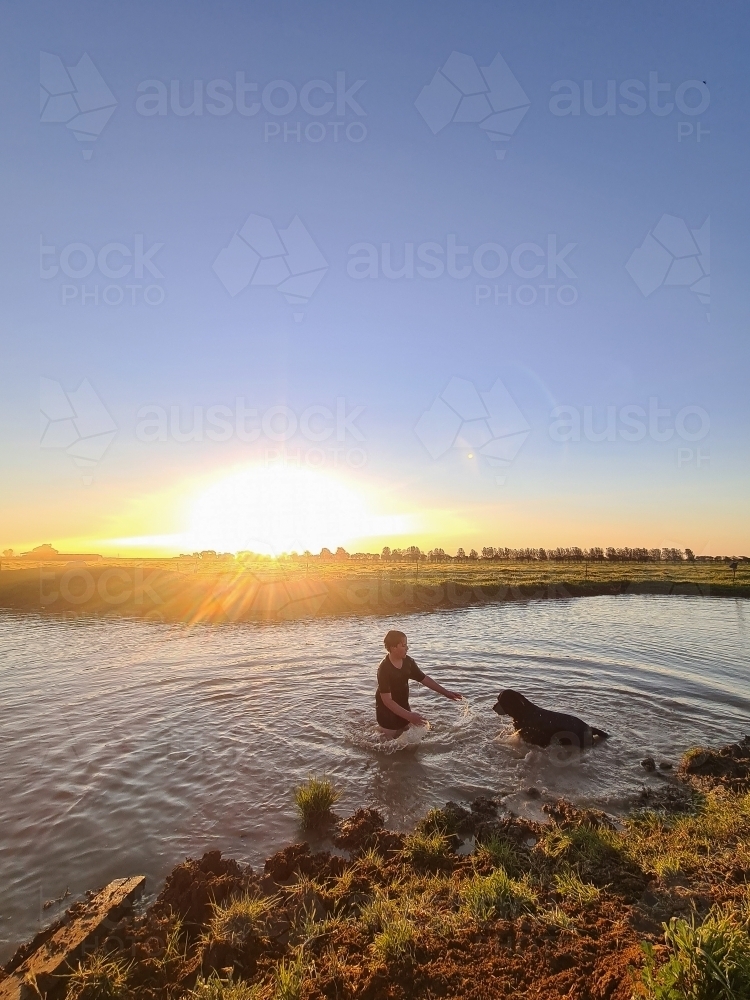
point(281, 508)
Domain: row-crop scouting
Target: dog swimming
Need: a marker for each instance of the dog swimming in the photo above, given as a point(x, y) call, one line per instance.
point(541, 727)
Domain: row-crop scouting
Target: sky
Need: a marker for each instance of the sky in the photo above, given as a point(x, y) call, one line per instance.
point(279, 276)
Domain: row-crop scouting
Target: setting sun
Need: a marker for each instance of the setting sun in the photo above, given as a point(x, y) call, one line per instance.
point(277, 509)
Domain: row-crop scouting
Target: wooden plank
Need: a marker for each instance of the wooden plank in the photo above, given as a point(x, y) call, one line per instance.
point(10, 988)
point(68, 943)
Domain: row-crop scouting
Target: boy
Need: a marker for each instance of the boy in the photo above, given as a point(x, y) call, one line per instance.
point(392, 697)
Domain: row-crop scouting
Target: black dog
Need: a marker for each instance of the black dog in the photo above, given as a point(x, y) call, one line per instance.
point(537, 725)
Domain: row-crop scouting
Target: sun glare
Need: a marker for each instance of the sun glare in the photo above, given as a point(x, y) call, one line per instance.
point(278, 509)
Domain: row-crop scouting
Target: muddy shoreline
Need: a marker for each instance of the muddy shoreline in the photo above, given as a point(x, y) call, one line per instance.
point(475, 903)
point(162, 595)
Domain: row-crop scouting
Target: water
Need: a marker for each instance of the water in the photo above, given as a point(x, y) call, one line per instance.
point(126, 745)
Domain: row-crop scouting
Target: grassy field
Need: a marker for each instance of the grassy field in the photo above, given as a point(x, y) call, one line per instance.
point(198, 590)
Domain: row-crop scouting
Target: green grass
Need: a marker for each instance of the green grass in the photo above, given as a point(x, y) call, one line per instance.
point(557, 916)
point(314, 800)
point(311, 928)
point(708, 961)
point(425, 851)
point(237, 921)
point(445, 820)
point(496, 895)
point(378, 913)
point(215, 988)
point(580, 843)
point(500, 853)
point(569, 885)
point(176, 947)
point(371, 861)
point(395, 940)
point(688, 843)
point(289, 978)
point(99, 977)
point(363, 587)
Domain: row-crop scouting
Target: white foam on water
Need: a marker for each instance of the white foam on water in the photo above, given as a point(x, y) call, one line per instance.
point(362, 732)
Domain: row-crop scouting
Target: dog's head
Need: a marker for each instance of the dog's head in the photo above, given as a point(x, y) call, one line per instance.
point(511, 703)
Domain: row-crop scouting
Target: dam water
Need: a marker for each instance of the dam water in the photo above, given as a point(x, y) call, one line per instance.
point(127, 745)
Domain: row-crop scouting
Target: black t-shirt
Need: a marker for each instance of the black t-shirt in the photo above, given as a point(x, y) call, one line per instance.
point(395, 682)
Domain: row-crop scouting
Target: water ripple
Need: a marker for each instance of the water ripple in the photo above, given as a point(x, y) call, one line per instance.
point(126, 745)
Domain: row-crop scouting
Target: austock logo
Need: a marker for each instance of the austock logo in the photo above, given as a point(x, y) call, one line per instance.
point(672, 254)
point(75, 96)
point(260, 255)
point(76, 422)
point(489, 424)
point(487, 96)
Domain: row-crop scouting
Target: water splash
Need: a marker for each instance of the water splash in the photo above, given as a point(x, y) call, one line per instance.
point(362, 732)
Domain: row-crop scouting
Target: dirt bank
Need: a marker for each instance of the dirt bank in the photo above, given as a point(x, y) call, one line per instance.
point(475, 903)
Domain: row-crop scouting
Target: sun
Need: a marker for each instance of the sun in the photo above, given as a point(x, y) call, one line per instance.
point(275, 509)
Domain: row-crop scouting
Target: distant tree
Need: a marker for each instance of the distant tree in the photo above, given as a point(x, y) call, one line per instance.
point(386, 553)
point(671, 555)
point(326, 554)
point(689, 555)
point(341, 553)
point(487, 552)
point(473, 554)
point(460, 554)
point(8, 553)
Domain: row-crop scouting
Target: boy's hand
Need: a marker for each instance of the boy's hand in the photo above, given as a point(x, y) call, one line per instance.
point(454, 696)
point(417, 720)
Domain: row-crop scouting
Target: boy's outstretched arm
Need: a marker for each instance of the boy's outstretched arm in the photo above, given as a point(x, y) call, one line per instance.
point(434, 686)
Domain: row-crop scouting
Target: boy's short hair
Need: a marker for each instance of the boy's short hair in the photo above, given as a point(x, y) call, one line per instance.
point(393, 638)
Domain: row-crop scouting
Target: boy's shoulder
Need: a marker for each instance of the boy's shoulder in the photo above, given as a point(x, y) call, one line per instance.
point(414, 670)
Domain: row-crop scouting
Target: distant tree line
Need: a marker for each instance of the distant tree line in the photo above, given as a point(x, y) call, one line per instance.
point(490, 553)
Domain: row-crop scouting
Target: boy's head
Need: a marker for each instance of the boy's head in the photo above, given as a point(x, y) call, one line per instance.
point(393, 639)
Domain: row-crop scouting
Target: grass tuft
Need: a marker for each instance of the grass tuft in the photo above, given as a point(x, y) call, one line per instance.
point(395, 940)
point(569, 885)
point(496, 895)
point(582, 843)
point(426, 850)
point(237, 921)
point(377, 913)
point(289, 978)
point(500, 853)
point(215, 988)
point(709, 961)
point(557, 916)
point(314, 800)
point(99, 977)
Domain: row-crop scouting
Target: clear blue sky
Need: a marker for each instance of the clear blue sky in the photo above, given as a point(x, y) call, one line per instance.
point(391, 345)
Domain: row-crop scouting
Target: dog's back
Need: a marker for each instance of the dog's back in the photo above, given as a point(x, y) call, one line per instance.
point(542, 727)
